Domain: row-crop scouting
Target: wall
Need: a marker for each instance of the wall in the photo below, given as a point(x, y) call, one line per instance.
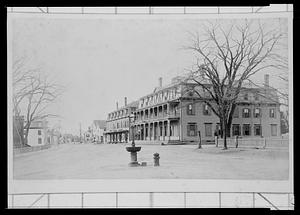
point(199, 119)
point(33, 137)
point(265, 120)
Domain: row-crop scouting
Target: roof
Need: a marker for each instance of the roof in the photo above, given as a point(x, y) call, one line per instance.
point(100, 123)
point(133, 104)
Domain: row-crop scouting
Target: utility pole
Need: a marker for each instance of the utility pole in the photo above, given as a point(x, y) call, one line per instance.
point(80, 132)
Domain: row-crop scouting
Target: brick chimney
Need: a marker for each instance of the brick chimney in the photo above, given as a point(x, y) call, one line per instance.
point(125, 101)
point(117, 105)
point(267, 80)
point(160, 82)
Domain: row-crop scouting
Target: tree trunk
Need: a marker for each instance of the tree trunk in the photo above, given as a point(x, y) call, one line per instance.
point(221, 128)
point(224, 132)
point(25, 139)
point(225, 140)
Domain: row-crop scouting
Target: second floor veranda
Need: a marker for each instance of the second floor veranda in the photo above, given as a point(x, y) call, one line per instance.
point(162, 111)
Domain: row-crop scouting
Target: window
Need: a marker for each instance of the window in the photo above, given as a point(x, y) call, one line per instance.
point(236, 130)
point(274, 130)
point(39, 132)
point(208, 129)
point(256, 97)
point(206, 110)
point(190, 109)
point(246, 130)
point(246, 96)
point(272, 113)
point(257, 112)
point(257, 130)
point(246, 112)
point(236, 113)
point(192, 129)
point(39, 140)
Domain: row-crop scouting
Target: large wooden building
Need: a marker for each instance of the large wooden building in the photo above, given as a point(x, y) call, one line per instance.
point(173, 114)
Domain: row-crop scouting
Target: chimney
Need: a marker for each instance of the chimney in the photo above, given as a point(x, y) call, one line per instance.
point(160, 82)
point(125, 101)
point(266, 80)
point(117, 105)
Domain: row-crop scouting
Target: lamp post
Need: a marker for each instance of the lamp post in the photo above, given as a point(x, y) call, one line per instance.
point(133, 149)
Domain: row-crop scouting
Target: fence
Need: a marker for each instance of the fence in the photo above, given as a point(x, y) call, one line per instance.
point(31, 149)
point(277, 201)
point(255, 142)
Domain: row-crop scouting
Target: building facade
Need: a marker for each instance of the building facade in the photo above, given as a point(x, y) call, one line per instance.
point(38, 134)
point(118, 123)
point(174, 114)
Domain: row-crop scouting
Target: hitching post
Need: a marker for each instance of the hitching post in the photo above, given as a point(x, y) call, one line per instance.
point(199, 146)
point(156, 159)
point(236, 141)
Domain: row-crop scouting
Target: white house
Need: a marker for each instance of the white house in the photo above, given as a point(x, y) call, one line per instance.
point(38, 133)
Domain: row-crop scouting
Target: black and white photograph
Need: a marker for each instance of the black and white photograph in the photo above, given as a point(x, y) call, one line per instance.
point(138, 97)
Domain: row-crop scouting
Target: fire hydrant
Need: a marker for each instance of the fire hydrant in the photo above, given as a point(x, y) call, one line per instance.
point(156, 159)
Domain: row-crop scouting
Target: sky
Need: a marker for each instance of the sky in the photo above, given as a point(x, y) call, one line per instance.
point(102, 60)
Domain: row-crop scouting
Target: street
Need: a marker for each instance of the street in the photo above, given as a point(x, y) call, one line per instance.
point(110, 161)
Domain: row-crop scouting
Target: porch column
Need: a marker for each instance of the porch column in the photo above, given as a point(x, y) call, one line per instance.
point(149, 136)
point(154, 130)
point(168, 130)
point(140, 132)
point(163, 130)
point(151, 130)
point(158, 131)
point(168, 108)
point(144, 131)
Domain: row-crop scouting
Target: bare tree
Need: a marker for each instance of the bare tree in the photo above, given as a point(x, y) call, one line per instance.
point(32, 94)
point(225, 59)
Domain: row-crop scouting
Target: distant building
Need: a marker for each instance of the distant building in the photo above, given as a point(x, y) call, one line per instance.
point(37, 134)
point(68, 138)
point(87, 135)
point(173, 113)
point(98, 128)
point(53, 136)
point(117, 123)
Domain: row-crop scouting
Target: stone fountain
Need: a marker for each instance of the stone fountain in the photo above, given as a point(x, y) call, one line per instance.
point(133, 154)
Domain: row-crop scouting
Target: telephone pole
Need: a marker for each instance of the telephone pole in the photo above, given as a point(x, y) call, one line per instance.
point(80, 132)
